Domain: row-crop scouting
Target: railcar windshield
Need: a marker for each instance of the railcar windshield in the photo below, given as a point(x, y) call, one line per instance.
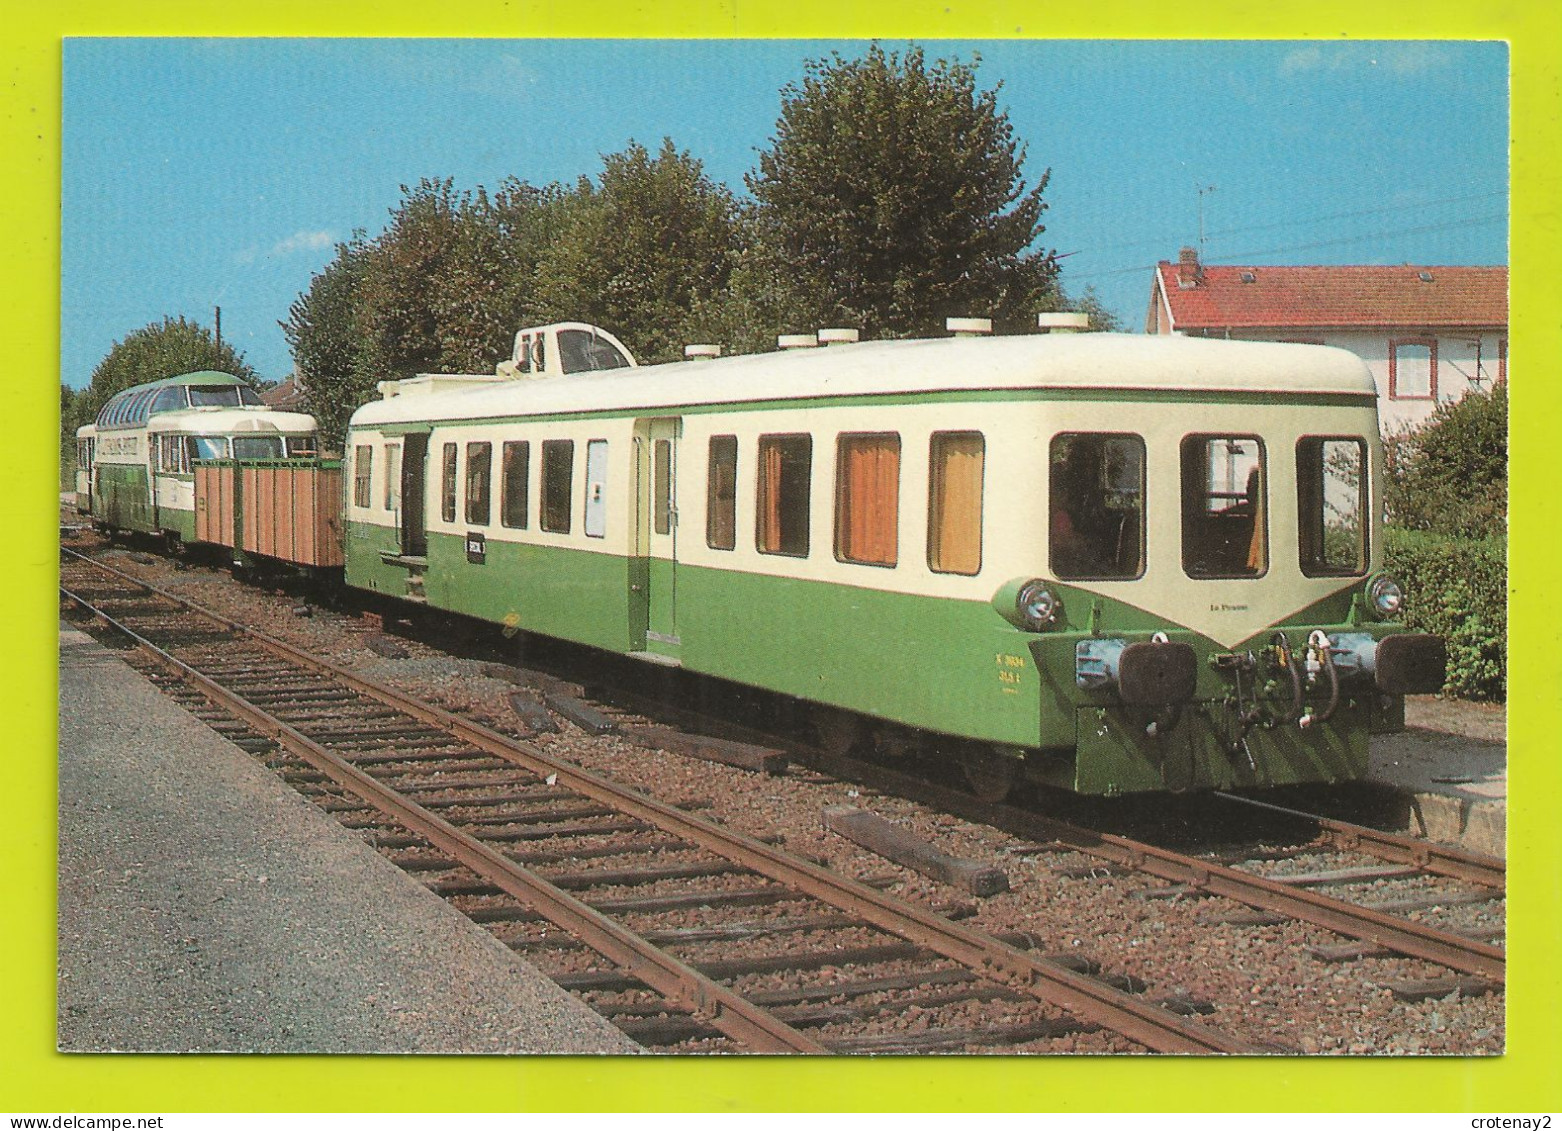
point(1096, 499)
point(257, 447)
point(1224, 511)
point(1331, 505)
point(222, 396)
point(206, 447)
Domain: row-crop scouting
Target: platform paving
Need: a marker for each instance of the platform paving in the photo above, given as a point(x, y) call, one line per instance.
point(1450, 767)
point(205, 906)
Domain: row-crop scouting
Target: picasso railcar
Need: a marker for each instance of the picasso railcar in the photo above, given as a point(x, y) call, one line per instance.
point(137, 463)
point(1110, 563)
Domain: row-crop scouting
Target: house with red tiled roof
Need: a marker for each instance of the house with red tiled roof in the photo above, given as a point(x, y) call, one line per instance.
point(1428, 334)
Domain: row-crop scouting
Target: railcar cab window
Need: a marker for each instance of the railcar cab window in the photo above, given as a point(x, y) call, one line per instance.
point(479, 464)
point(168, 400)
point(363, 462)
point(867, 498)
point(222, 396)
point(447, 484)
point(956, 462)
point(558, 484)
point(515, 483)
point(581, 351)
point(785, 473)
point(1331, 505)
point(721, 506)
point(1096, 483)
point(1224, 511)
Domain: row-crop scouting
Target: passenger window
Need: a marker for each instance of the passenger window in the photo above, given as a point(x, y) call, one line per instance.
point(363, 459)
point(169, 399)
point(447, 485)
point(558, 484)
point(393, 477)
point(867, 498)
point(954, 508)
point(596, 488)
point(515, 487)
point(479, 464)
point(1224, 516)
point(1331, 506)
point(1096, 483)
point(721, 494)
point(785, 472)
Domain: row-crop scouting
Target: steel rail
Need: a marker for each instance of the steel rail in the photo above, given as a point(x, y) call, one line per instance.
point(1076, 994)
point(674, 980)
point(1441, 859)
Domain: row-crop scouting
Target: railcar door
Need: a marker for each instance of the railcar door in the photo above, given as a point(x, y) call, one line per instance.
point(656, 573)
point(414, 519)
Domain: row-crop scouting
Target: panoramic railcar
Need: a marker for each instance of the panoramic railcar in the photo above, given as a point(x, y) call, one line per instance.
point(1111, 563)
point(139, 465)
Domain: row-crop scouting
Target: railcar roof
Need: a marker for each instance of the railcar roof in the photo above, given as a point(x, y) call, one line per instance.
point(211, 421)
point(1037, 361)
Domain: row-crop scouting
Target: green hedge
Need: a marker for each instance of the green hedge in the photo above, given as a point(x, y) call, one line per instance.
point(1457, 588)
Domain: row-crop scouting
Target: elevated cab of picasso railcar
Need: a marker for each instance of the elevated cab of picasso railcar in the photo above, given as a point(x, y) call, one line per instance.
point(1207, 607)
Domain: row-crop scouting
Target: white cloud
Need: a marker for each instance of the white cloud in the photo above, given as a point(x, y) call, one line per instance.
point(303, 241)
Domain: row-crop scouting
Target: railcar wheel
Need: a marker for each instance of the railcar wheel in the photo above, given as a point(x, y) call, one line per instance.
point(991, 774)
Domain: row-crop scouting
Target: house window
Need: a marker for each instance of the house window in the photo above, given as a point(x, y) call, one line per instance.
point(721, 494)
point(558, 484)
point(447, 484)
point(1096, 505)
point(479, 462)
point(363, 459)
point(1224, 519)
point(392, 477)
point(515, 487)
point(954, 507)
point(785, 474)
point(1331, 506)
point(1412, 370)
point(867, 498)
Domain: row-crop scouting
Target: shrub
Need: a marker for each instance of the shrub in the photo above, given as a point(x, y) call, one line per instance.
point(1457, 588)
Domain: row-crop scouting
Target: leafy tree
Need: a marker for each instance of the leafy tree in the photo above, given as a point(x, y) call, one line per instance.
point(891, 197)
point(329, 351)
point(641, 249)
point(1450, 475)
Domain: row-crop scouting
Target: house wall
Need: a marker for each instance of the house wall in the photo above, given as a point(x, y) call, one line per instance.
point(1460, 357)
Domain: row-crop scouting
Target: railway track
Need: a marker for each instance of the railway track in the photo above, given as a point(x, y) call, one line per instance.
point(711, 939)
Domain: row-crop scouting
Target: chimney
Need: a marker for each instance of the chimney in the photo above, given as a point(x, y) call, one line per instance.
point(1190, 272)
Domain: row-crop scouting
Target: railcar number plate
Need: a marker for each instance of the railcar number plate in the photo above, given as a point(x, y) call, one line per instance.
point(476, 547)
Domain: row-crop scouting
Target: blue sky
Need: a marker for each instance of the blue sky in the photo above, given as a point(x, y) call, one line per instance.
point(199, 173)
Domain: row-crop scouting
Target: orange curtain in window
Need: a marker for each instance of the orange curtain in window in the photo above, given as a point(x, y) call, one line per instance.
point(956, 512)
point(769, 496)
point(1257, 559)
point(868, 509)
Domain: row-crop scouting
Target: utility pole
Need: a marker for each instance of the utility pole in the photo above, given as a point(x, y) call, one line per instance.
point(218, 309)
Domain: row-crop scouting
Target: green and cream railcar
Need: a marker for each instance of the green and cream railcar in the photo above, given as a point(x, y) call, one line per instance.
point(136, 463)
point(1114, 563)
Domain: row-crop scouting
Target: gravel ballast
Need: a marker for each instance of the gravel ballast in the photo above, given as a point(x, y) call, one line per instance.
point(204, 906)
